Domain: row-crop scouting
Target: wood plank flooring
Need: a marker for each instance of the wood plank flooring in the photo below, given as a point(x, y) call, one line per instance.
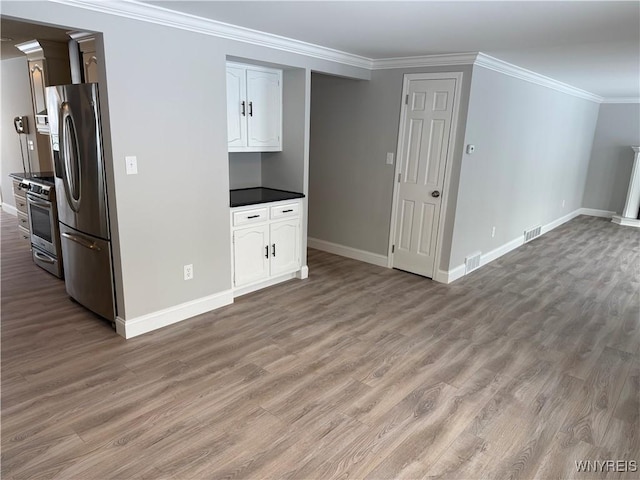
point(516, 371)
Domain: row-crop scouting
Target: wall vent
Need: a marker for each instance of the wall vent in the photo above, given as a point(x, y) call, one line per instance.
point(531, 234)
point(472, 262)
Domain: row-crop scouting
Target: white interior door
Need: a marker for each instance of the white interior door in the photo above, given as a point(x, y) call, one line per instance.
point(424, 144)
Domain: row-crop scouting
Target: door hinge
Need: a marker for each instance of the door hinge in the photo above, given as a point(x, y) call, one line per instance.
point(406, 99)
point(393, 249)
point(399, 177)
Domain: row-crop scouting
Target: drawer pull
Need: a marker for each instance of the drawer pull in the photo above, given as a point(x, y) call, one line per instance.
point(287, 211)
point(253, 216)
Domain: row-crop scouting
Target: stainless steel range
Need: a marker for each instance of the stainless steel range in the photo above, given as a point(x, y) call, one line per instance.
point(43, 219)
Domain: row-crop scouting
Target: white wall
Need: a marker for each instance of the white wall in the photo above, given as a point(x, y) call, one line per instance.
point(15, 101)
point(163, 98)
point(611, 157)
point(245, 169)
point(532, 153)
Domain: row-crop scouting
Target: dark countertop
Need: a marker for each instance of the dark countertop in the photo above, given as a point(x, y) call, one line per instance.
point(252, 196)
point(45, 178)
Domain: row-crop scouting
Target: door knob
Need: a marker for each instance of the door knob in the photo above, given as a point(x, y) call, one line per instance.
point(435, 194)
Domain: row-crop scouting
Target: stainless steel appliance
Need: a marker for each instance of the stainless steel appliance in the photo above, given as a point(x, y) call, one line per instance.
point(76, 143)
point(43, 220)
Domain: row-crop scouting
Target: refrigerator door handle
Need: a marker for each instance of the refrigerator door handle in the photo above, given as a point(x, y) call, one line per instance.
point(70, 156)
point(82, 241)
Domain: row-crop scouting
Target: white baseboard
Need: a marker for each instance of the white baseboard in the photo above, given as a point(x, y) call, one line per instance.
point(448, 276)
point(556, 223)
point(146, 323)
point(237, 292)
point(303, 273)
point(362, 255)
point(593, 212)
point(10, 209)
point(626, 222)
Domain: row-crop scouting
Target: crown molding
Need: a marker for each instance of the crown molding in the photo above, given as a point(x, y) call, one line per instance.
point(621, 100)
point(162, 16)
point(31, 46)
point(184, 21)
point(424, 61)
point(501, 66)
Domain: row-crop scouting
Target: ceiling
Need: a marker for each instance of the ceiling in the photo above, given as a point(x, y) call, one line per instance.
point(20, 32)
point(594, 46)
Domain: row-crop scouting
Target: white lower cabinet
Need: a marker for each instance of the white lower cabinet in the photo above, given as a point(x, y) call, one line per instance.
point(267, 248)
point(250, 254)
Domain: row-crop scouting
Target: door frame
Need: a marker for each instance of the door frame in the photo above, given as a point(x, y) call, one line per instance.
point(457, 76)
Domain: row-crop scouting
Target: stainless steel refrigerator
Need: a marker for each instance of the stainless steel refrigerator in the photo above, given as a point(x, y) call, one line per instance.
point(81, 192)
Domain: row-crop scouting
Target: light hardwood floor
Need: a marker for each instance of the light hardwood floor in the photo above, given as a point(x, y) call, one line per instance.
point(515, 371)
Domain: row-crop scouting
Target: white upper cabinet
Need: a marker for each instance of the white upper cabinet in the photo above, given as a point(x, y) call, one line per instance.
point(254, 108)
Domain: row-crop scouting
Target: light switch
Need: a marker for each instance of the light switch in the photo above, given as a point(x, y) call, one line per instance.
point(132, 165)
point(389, 158)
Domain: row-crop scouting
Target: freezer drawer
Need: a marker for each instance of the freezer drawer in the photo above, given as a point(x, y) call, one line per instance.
point(88, 271)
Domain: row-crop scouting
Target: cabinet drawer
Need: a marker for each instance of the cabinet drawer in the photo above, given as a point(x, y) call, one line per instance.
point(24, 235)
point(23, 221)
point(21, 203)
point(249, 216)
point(18, 190)
point(283, 211)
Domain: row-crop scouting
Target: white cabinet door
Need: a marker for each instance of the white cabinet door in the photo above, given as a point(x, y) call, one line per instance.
point(264, 109)
point(285, 246)
point(236, 107)
point(250, 254)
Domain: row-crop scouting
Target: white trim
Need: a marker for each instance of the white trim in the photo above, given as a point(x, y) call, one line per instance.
point(424, 61)
point(443, 276)
point(491, 63)
point(593, 212)
point(162, 16)
point(28, 47)
point(556, 223)
point(459, 271)
point(243, 290)
point(303, 273)
point(349, 252)
point(10, 209)
point(152, 321)
point(500, 251)
point(458, 77)
point(621, 100)
point(626, 222)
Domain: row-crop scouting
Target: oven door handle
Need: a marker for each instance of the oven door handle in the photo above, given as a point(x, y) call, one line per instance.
point(39, 203)
point(43, 258)
point(82, 241)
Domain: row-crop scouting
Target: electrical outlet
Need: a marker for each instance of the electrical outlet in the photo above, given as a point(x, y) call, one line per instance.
point(132, 164)
point(493, 232)
point(188, 272)
point(31, 147)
